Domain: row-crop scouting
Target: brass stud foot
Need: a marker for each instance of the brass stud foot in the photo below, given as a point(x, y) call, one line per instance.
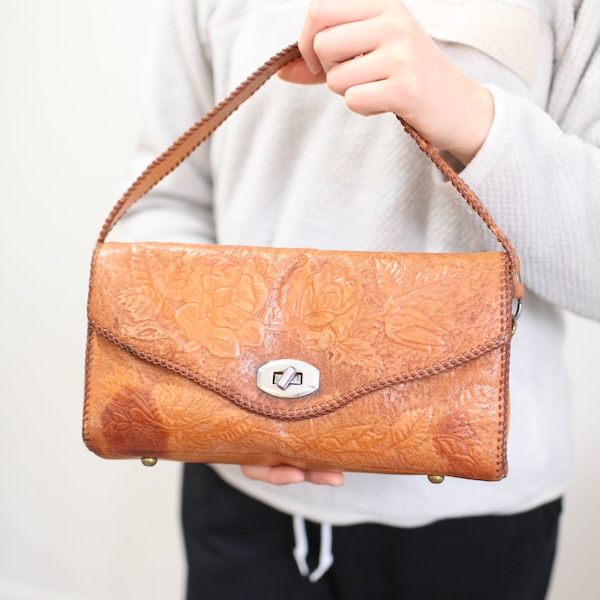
point(149, 461)
point(435, 478)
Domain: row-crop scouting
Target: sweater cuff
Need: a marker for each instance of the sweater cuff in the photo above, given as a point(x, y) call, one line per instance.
point(495, 144)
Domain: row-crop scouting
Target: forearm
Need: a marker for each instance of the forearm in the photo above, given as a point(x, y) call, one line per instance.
point(543, 188)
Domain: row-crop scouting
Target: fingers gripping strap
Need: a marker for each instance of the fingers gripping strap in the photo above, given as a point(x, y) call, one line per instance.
point(169, 160)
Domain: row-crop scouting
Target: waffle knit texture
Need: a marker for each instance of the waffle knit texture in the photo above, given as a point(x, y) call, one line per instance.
point(295, 168)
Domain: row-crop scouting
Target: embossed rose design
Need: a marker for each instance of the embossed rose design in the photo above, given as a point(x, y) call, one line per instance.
point(320, 304)
point(221, 308)
point(405, 317)
point(129, 421)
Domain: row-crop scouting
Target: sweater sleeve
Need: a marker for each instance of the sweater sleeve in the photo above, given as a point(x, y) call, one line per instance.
point(178, 92)
point(540, 175)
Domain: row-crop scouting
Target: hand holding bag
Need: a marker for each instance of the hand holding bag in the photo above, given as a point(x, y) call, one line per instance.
point(354, 361)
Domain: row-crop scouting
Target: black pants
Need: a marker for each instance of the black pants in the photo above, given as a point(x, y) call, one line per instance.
point(240, 549)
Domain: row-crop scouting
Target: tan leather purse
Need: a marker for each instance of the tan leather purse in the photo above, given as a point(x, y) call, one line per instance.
point(358, 361)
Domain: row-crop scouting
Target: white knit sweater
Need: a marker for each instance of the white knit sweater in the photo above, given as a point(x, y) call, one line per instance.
point(294, 167)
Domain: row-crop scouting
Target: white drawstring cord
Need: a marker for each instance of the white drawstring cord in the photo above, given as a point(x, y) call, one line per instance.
point(325, 553)
point(301, 549)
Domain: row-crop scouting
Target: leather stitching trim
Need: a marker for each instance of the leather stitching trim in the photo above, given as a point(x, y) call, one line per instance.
point(318, 409)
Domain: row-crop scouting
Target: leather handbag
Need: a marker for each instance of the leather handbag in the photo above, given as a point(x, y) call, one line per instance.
point(353, 361)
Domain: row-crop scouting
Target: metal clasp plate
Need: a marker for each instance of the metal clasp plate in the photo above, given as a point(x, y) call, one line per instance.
point(288, 378)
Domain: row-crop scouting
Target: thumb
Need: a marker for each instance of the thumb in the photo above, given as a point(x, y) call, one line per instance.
point(298, 72)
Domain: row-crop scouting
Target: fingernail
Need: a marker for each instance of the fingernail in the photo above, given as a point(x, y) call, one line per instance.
point(333, 481)
point(296, 478)
point(314, 69)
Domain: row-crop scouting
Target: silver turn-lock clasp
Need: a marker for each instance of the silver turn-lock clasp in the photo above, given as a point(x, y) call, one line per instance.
point(288, 378)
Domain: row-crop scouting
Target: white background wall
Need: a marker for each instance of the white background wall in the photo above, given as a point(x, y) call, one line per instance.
point(74, 527)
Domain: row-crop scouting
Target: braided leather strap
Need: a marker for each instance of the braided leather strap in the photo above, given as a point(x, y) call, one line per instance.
point(169, 160)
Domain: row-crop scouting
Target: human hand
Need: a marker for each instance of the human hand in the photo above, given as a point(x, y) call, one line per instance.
point(285, 474)
point(377, 56)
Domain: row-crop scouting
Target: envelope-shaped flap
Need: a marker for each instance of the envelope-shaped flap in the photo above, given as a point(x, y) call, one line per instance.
point(217, 314)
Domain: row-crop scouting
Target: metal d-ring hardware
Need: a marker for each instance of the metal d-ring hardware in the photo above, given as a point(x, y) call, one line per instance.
point(288, 378)
point(515, 317)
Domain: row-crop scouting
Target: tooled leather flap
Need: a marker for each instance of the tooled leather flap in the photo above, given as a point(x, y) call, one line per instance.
point(216, 314)
point(171, 158)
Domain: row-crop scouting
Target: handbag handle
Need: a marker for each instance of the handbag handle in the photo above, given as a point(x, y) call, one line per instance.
point(169, 160)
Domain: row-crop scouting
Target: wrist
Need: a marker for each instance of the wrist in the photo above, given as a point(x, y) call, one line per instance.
point(472, 125)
